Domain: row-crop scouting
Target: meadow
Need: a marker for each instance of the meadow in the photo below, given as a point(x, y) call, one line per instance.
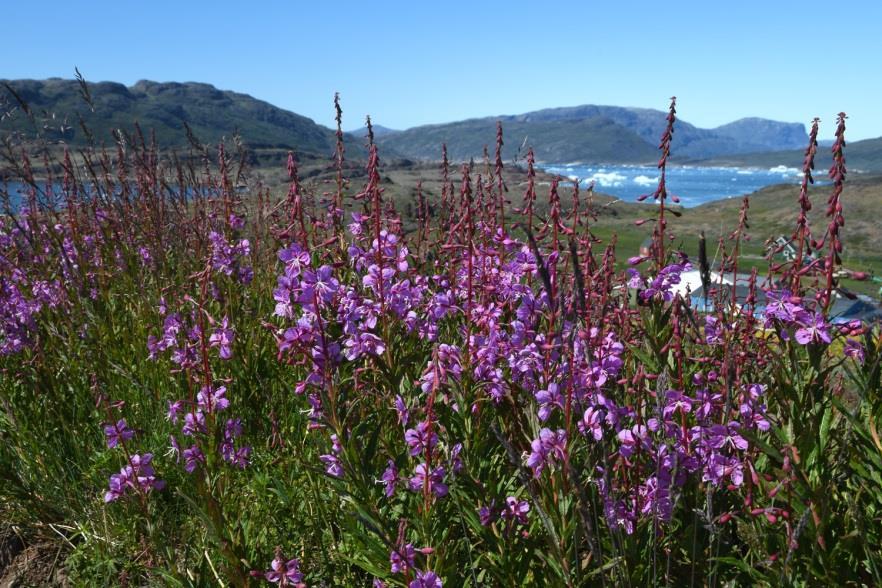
point(204, 382)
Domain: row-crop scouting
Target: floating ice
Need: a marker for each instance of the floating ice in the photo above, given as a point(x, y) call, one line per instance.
point(642, 180)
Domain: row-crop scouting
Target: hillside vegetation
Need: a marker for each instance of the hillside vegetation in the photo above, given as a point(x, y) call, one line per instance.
point(163, 108)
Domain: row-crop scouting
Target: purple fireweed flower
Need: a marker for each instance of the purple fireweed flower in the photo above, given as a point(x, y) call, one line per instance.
point(655, 496)
point(516, 510)
point(419, 440)
point(455, 461)
point(662, 285)
point(117, 486)
point(813, 328)
point(284, 573)
point(287, 286)
point(854, 349)
point(374, 275)
point(712, 330)
point(233, 429)
point(487, 514)
point(721, 436)
point(237, 223)
point(616, 512)
point(295, 259)
point(634, 279)
point(426, 579)
point(215, 401)
point(315, 408)
point(441, 304)
point(676, 401)
point(320, 284)
point(138, 474)
point(363, 344)
point(333, 465)
point(226, 256)
point(194, 422)
point(117, 432)
point(549, 399)
point(239, 457)
point(754, 414)
point(173, 409)
point(355, 228)
point(631, 439)
point(435, 480)
point(223, 339)
point(706, 403)
point(401, 409)
point(778, 306)
point(336, 448)
point(390, 478)
point(402, 559)
point(591, 423)
point(545, 449)
point(720, 467)
point(193, 456)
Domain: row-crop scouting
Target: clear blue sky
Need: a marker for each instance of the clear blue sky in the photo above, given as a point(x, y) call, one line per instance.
point(418, 62)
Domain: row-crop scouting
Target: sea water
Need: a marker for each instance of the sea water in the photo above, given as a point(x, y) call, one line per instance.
point(694, 185)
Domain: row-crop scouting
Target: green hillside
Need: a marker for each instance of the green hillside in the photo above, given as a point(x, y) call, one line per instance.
point(212, 114)
point(861, 156)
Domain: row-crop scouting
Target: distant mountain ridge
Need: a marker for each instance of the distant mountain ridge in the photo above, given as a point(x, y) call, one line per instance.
point(635, 131)
point(586, 133)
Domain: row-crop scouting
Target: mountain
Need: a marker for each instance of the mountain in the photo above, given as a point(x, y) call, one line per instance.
point(162, 107)
point(623, 135)
point(379, 131)
point(860, 156)
point(592, 139)
point(760, 134)
point(587, 133)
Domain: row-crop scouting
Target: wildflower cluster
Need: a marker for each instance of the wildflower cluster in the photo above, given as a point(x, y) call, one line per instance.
point(475, 395)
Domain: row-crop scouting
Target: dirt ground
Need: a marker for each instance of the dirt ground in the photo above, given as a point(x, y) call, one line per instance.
point(25, 565)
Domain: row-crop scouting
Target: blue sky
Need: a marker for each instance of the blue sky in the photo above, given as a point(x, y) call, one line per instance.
point(411, 63)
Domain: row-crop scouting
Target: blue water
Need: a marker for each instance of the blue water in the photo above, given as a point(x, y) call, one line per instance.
point(17, 193)
point(694, 185)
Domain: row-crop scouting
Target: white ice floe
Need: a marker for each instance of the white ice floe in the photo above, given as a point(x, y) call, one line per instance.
point(645, 180)
point(784, 170)
point(604, 178)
